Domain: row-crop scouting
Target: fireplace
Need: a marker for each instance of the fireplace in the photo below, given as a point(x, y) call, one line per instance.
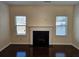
point(40, 38)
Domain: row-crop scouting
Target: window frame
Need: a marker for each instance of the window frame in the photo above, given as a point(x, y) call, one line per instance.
point(66, 30)
point(21, 25)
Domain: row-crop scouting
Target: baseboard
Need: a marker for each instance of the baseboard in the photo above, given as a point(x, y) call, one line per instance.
point(4, 47)
point(49, 44)
point(62, 44)
point(75, 46)
point(21, 43)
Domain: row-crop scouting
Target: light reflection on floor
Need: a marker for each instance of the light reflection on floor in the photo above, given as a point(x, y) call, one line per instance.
point(20, 54)
point(23, 54)
point(60, 54)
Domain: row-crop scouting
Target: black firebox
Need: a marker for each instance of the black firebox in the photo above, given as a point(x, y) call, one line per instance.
point(40, 38)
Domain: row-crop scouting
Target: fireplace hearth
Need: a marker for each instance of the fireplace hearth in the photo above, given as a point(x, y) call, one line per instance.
point(41, 38)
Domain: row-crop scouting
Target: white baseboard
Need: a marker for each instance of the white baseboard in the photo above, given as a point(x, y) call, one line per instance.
point(75, 46)
point(62, 44)
point(49, 44)
point(20, 43)
point(4, 47)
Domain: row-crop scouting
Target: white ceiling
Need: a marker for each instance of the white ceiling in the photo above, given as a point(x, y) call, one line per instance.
point(41, 2)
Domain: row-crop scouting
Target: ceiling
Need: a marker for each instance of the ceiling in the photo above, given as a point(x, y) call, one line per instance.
point(41, 2)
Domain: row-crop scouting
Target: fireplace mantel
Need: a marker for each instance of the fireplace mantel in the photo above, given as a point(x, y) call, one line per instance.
point(41, 28)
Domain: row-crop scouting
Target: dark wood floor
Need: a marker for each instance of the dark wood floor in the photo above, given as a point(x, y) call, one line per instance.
point(51, 51)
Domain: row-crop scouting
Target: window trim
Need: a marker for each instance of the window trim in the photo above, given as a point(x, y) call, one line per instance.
point(64, 25)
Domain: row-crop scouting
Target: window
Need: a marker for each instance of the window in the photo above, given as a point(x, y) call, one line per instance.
point(20, 25)
point(61, 25)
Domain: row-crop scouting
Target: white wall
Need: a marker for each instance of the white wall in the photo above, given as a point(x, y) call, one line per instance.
point(4, 25)
point(76, 26)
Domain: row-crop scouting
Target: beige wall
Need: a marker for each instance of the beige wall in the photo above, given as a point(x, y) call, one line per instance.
point(4, 25)
point(41, 16)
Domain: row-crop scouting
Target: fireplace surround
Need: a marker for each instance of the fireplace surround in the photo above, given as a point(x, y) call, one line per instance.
point(48, 29)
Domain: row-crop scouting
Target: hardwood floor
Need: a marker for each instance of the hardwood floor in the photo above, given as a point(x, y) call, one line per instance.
point(30, 51)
